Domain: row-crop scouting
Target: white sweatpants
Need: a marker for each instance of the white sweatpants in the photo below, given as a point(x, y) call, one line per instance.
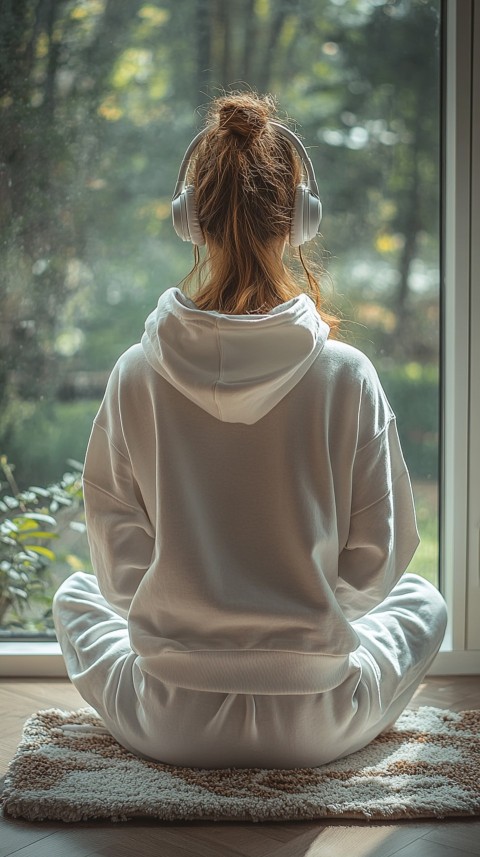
point(179, 726)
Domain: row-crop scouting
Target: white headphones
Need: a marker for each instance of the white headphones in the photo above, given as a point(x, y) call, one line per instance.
point(307, 208)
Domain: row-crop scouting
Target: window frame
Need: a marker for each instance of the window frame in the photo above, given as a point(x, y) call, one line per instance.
point(460, 449)
point(460, 352)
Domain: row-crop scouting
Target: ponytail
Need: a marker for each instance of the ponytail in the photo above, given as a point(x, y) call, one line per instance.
point(245, 174)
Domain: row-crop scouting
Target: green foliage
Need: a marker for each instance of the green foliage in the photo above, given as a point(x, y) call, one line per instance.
point(413, 392)
point(30, 522)
point(425, 562)
point(41, 435)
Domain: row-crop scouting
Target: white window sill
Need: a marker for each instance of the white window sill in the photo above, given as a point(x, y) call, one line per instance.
point(31, 659)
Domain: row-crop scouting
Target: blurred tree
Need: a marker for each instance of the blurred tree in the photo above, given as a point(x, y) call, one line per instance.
point(96, 105)
point(398, 104)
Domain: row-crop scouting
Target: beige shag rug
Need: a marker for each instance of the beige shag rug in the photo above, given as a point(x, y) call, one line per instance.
point(68, 768)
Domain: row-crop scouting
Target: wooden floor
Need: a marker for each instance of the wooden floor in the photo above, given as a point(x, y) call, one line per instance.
point(429, 838)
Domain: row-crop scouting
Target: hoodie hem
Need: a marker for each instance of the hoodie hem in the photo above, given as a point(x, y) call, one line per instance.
point(248, 671)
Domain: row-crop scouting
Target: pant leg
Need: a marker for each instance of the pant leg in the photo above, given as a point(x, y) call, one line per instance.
point(96, 648)
point(399, 641)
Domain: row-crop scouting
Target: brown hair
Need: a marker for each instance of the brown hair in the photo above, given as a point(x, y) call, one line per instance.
point(245, 174)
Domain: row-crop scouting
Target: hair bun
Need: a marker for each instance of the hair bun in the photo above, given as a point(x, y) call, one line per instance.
point(243, 116)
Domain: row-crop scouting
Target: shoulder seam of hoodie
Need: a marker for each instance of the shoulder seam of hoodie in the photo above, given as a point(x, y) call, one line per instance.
point(377, 436)
point(95, 423)
point(109, 494)
point(383, 497)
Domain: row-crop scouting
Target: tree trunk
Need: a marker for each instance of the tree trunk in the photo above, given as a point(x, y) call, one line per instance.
point(411, 229)
point(250, 40)
point(53, 55)
point(203, 32)
point(276, 26)
point(225, 13)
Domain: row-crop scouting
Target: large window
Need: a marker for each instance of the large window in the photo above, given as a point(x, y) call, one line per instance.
point(97, 107)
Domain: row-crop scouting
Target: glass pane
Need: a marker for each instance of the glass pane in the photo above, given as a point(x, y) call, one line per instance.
point(97, 107)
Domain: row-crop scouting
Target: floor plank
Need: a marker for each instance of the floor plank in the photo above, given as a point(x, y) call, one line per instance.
point(16, 835)
point(457, 834)
point(356, 838)
point(427, 848)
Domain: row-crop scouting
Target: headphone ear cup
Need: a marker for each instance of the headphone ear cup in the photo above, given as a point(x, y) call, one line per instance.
point(185, 217)
point(306, 216)
point(179, 216)
point(194, 228)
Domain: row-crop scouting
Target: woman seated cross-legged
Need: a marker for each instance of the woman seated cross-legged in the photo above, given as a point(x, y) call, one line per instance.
point(249, 511)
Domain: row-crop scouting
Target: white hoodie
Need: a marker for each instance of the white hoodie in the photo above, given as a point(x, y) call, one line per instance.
point(246, 498)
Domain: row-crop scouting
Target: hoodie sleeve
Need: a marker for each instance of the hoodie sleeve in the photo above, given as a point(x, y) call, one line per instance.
point(120, 534)
point(383, 534)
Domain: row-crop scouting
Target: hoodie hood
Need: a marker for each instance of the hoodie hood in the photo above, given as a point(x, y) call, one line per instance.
point(235, 367)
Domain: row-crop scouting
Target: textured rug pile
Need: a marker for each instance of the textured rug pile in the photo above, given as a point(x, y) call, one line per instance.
point(68, 768)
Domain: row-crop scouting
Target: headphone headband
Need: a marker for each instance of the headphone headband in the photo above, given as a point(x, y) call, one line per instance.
point(282, 129)
point(307, 210)
point(302, 152)
point(180, 185)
